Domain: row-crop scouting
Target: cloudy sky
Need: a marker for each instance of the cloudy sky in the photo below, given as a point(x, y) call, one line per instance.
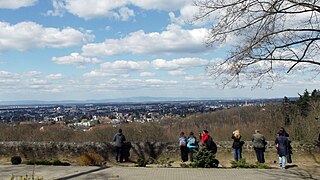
point(103, 49)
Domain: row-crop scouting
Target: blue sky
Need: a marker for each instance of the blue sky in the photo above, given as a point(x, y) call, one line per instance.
point(103, 49)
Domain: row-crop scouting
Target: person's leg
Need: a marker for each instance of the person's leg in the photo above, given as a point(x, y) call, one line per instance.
point(240, 153)
point(186, 151)
point(262, 156)
point(121, 154)
point(257, 153)
point(191, 151)
point(235, 155)
point(117, 154)
point(280, 163)
point(283, 162)
point(182, 153)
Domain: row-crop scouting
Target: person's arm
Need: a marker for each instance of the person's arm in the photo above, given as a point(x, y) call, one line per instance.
point(232, 137)
point(124, 138)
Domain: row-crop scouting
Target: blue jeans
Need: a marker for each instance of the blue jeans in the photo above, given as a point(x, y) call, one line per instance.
point(283, 161)
point(237, 154)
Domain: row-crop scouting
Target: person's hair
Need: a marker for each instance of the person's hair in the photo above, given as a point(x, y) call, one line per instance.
point(237, 133)
point(281, 132)
point(205, 131)
point(182, 133)
point(120, 130)
point(191, 133)
point(257, 131)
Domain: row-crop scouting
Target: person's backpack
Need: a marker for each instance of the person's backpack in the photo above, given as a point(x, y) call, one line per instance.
point(211, 145)
point(192, 143)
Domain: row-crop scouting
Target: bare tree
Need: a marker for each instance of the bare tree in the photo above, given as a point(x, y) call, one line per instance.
point(273, 37)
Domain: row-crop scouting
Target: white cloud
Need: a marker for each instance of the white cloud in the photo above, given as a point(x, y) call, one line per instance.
point(27, 35)
point(32, 74)
point(147, 74)
point(6, 74)
point(125, 13)
point(176, 73)
point(125, 65)
point(12, 4)
point(75, 59)
point(160, 4)
point(54, 76)
point(37, 81)
point(89, 9)
point(159, 82)
point(173, 40)
point(180, 63)
point(58, 8)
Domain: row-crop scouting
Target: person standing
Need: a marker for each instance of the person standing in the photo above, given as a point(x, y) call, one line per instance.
point(119, 140)
point(259, 143)
point(237, 145)
point(183, 147)
point(283, 147)
point(192, 145)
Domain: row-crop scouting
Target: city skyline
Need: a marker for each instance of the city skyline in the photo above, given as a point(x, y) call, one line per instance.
point(102, 49)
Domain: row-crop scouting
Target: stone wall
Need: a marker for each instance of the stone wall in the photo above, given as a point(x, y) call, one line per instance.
point(67, 151)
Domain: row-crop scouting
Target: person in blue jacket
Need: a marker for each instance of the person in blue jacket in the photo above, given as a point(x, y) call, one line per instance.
point(192, 145)
point(183, 147)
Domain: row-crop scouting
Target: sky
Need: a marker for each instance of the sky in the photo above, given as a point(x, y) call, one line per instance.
point(103, 49)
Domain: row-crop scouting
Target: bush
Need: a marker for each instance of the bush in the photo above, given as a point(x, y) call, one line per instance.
point(49, 163)
point(190, 165)
point(205, 159)
point(91, 159)
point(15, 160)
point(243, 164)
point(39, 162)
point(141, 163)
point(59, 163)
point(164, 161)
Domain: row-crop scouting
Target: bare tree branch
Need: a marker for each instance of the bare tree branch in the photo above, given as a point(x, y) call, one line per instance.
point(268, 31)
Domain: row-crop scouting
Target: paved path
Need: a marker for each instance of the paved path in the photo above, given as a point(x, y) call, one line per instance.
point(116, 172)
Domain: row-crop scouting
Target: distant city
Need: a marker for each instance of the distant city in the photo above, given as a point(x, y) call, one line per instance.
point(91, 114)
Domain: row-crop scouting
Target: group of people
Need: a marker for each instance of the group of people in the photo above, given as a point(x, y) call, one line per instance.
point(259, 144)
point(189, 145)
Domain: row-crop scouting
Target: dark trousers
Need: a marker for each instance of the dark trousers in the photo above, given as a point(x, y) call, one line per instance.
point(184, 153)
point(237, 154)
point(191, 152)
point(260, 154)
point(119, 154)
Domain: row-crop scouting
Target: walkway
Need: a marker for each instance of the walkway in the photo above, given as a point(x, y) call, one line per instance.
point(116, 172)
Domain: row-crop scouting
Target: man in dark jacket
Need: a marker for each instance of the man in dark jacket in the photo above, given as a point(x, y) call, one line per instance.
point(119, 138)
point(259, 143)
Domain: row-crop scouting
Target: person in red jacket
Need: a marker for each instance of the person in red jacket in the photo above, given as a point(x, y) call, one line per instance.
point(204, 136)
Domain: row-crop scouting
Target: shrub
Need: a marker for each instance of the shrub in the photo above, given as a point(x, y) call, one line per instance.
point(141, 163)
point(243, 164)
point(164, 161)
point(59, 163)
point(205, 159)
point(91, 159)
point(46, 162)
point(15, 160)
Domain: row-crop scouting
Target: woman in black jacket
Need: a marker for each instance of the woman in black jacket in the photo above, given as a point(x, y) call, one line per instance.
point(237, 145)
